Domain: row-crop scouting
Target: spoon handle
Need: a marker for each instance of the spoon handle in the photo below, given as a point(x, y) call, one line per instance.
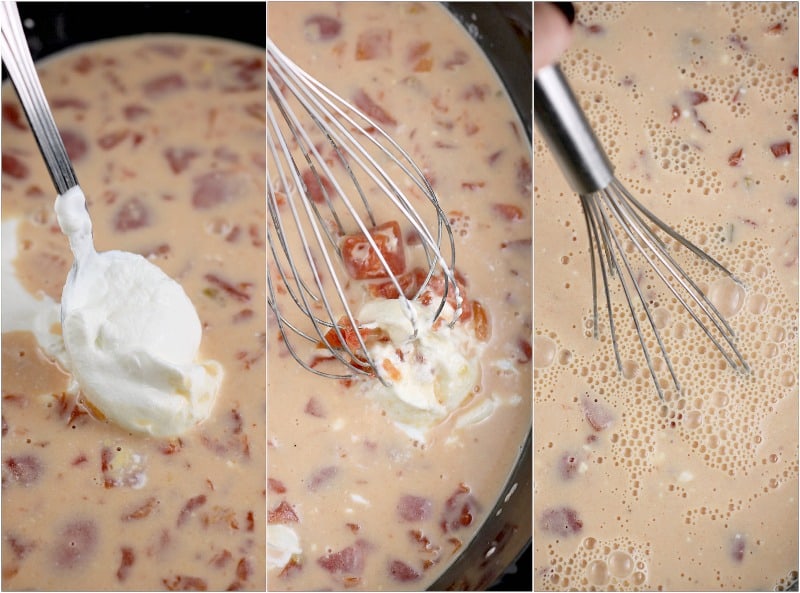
point(19, 63)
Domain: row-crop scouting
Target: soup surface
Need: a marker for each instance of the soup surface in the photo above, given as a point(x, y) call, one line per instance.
point(696, 104)
point(167, 136)
point(355, 499)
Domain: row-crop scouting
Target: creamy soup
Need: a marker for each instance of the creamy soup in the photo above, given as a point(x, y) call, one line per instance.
point(356, 499)
point(696, 104)
point(167, 137)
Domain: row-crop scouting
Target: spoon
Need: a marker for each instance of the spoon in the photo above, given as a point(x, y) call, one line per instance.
point(131, 333)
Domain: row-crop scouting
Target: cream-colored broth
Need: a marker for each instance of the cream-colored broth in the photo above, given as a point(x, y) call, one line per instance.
point(372, 508)
point(167, 136)
point(698, 492)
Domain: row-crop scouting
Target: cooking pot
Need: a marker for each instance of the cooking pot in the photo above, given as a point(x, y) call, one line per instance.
point(499, 554)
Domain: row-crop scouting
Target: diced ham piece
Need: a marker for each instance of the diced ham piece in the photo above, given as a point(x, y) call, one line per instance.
point(131, 215)
point(597, 414)
point(21, 469)
point(75, 543)
point(402, 572)
point(561, 521)
point(321, 27)
point(14, 167)
point(349, 560)
point(74, 143)
point(321, 477)
point(12, 114)
point(156, 88)
point(411, 508)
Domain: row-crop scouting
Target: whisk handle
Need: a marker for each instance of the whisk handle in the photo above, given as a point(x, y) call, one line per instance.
point(568, 134)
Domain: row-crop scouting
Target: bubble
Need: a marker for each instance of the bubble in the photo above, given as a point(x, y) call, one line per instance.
point(620, 564)
point(693, 419)
point(544, 352)
point(597, 573)
point(757, 303)
point(727, 296)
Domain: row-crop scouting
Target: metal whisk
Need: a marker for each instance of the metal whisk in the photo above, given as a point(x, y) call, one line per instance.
point(614, 220)
point(337, 179)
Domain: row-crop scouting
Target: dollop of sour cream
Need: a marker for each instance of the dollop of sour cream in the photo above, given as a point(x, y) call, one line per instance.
point(131, 335)
point(424, 377)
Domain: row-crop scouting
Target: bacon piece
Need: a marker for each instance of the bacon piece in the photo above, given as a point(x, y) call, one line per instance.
point(508, 212)
point(561, 521)
point(374, 44)
point(156, 88)
point(188, 509)
point(402, 572)
point(134, 112)
point(14, 167)
point(321, 27)
point(459, 510)
point(317, 187)
point(735, 159)
point(696, 97)
point(179, 158)
point(314, 408)
point(275, 486)
point(458, 58)
point(411, 508)
point(475, 92)
point(526, 351)
point(283, 513)
point(780, 149)
point(360, 259)
point(237, 292)
point(243, 74)
point(126, 562)
point(483, 330)
point(185, 583)
point(142, 510)
point(112, 139)
point(243, 569)
point(371, 109)
point(524, 176)
point(19, 547)
point(22, 469)
point(13, 116)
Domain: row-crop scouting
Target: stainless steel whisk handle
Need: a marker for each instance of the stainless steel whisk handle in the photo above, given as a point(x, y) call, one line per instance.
point(18, 61)
point(568, 133)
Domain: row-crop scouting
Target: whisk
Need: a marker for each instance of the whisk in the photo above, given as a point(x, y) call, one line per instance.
point(345, 204)
point(615, 220)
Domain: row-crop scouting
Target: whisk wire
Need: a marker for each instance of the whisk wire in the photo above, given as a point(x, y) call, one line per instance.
point(296, 100)
point(612, 214)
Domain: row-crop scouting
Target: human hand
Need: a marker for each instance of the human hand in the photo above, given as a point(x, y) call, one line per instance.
point(552, 33)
